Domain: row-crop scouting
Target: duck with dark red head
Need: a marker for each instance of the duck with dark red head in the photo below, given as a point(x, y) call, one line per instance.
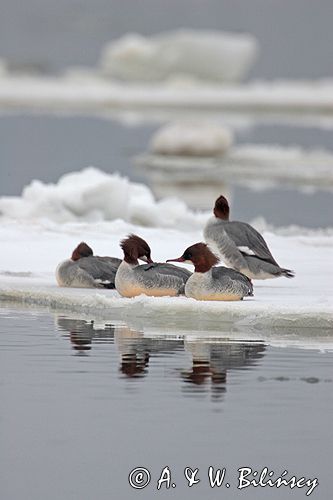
point(240, 246)
point(153, 279)
point(84, 270)
point(209, 282)
point(82, 250)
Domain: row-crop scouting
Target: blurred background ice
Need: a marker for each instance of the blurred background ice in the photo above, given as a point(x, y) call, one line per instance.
point(295, 37)
point(144, 41)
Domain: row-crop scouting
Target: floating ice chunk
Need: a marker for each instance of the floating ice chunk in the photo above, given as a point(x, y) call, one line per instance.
point(204, 55)
point(93, 195)
point(259, 166)
point(185, 139)
point(87, 91)
point(285, 309)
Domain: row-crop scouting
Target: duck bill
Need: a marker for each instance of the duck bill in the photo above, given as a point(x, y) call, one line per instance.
point(180, 259)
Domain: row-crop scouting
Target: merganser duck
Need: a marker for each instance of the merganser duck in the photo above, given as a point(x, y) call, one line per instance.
point(153, 279)
point(212, 283)
point(84, 270)
point(240, 246)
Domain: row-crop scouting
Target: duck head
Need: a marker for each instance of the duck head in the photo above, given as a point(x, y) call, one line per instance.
point(221, 208)
point(82, 250)
point(135, 248)
point(200, 256)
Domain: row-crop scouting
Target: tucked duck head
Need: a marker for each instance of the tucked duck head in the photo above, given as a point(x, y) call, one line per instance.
point(221, 208)
point(200, 256)
point(135, 248)
point(82, 250)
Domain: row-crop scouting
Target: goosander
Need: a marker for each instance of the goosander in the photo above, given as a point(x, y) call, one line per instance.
point(84, 270)
point(209, 282)
point(240, 246)
point(151, 279)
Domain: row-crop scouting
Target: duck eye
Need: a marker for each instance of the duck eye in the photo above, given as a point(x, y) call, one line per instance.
point(188, 256)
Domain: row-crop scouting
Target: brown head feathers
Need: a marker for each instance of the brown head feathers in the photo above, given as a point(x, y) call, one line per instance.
point(82, 250)
point(135, 248)
point(201, 257)
point(221, 208)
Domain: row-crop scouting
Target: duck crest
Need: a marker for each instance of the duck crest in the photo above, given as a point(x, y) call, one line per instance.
point(221, 208)
point(134, 247)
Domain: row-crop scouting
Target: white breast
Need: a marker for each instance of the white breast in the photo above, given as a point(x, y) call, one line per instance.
point(124, 279)
point(64, 273)
point(198, 284)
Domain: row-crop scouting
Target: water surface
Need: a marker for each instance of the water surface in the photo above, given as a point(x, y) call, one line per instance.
point(84, 403)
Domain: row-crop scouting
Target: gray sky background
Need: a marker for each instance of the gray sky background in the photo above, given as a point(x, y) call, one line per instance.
point(296, 36)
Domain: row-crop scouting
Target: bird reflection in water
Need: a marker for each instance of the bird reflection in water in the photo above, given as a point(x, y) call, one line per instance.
point(211, 361)
point(212, 358)
point(136, 350)
point(82, 334)
point(134, 355)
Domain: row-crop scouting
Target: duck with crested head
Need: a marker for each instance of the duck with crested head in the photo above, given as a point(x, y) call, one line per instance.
point(212, 283)
point(152, 279)
point(240, 246)
point(85, 270)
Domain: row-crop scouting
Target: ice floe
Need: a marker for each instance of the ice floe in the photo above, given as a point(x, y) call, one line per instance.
point(30, 253)
point(192, 71)
point(87, 91)
point(198, 342)
point(272, 306)
point(191, 139)
point(204, 55)
point(255, 165)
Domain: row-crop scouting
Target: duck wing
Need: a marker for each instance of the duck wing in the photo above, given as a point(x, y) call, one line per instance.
point(168, 269)
point(249, 241)
point(157, 275)
point(102, 269)
point(228, 276)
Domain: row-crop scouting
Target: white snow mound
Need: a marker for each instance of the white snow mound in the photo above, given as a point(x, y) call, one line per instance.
point(203, 55)
point(92, 195)
point(191, 139)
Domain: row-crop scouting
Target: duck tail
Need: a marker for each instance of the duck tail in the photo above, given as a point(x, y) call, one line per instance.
point(250, 292)
point(287, 273)
point(108, 285)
